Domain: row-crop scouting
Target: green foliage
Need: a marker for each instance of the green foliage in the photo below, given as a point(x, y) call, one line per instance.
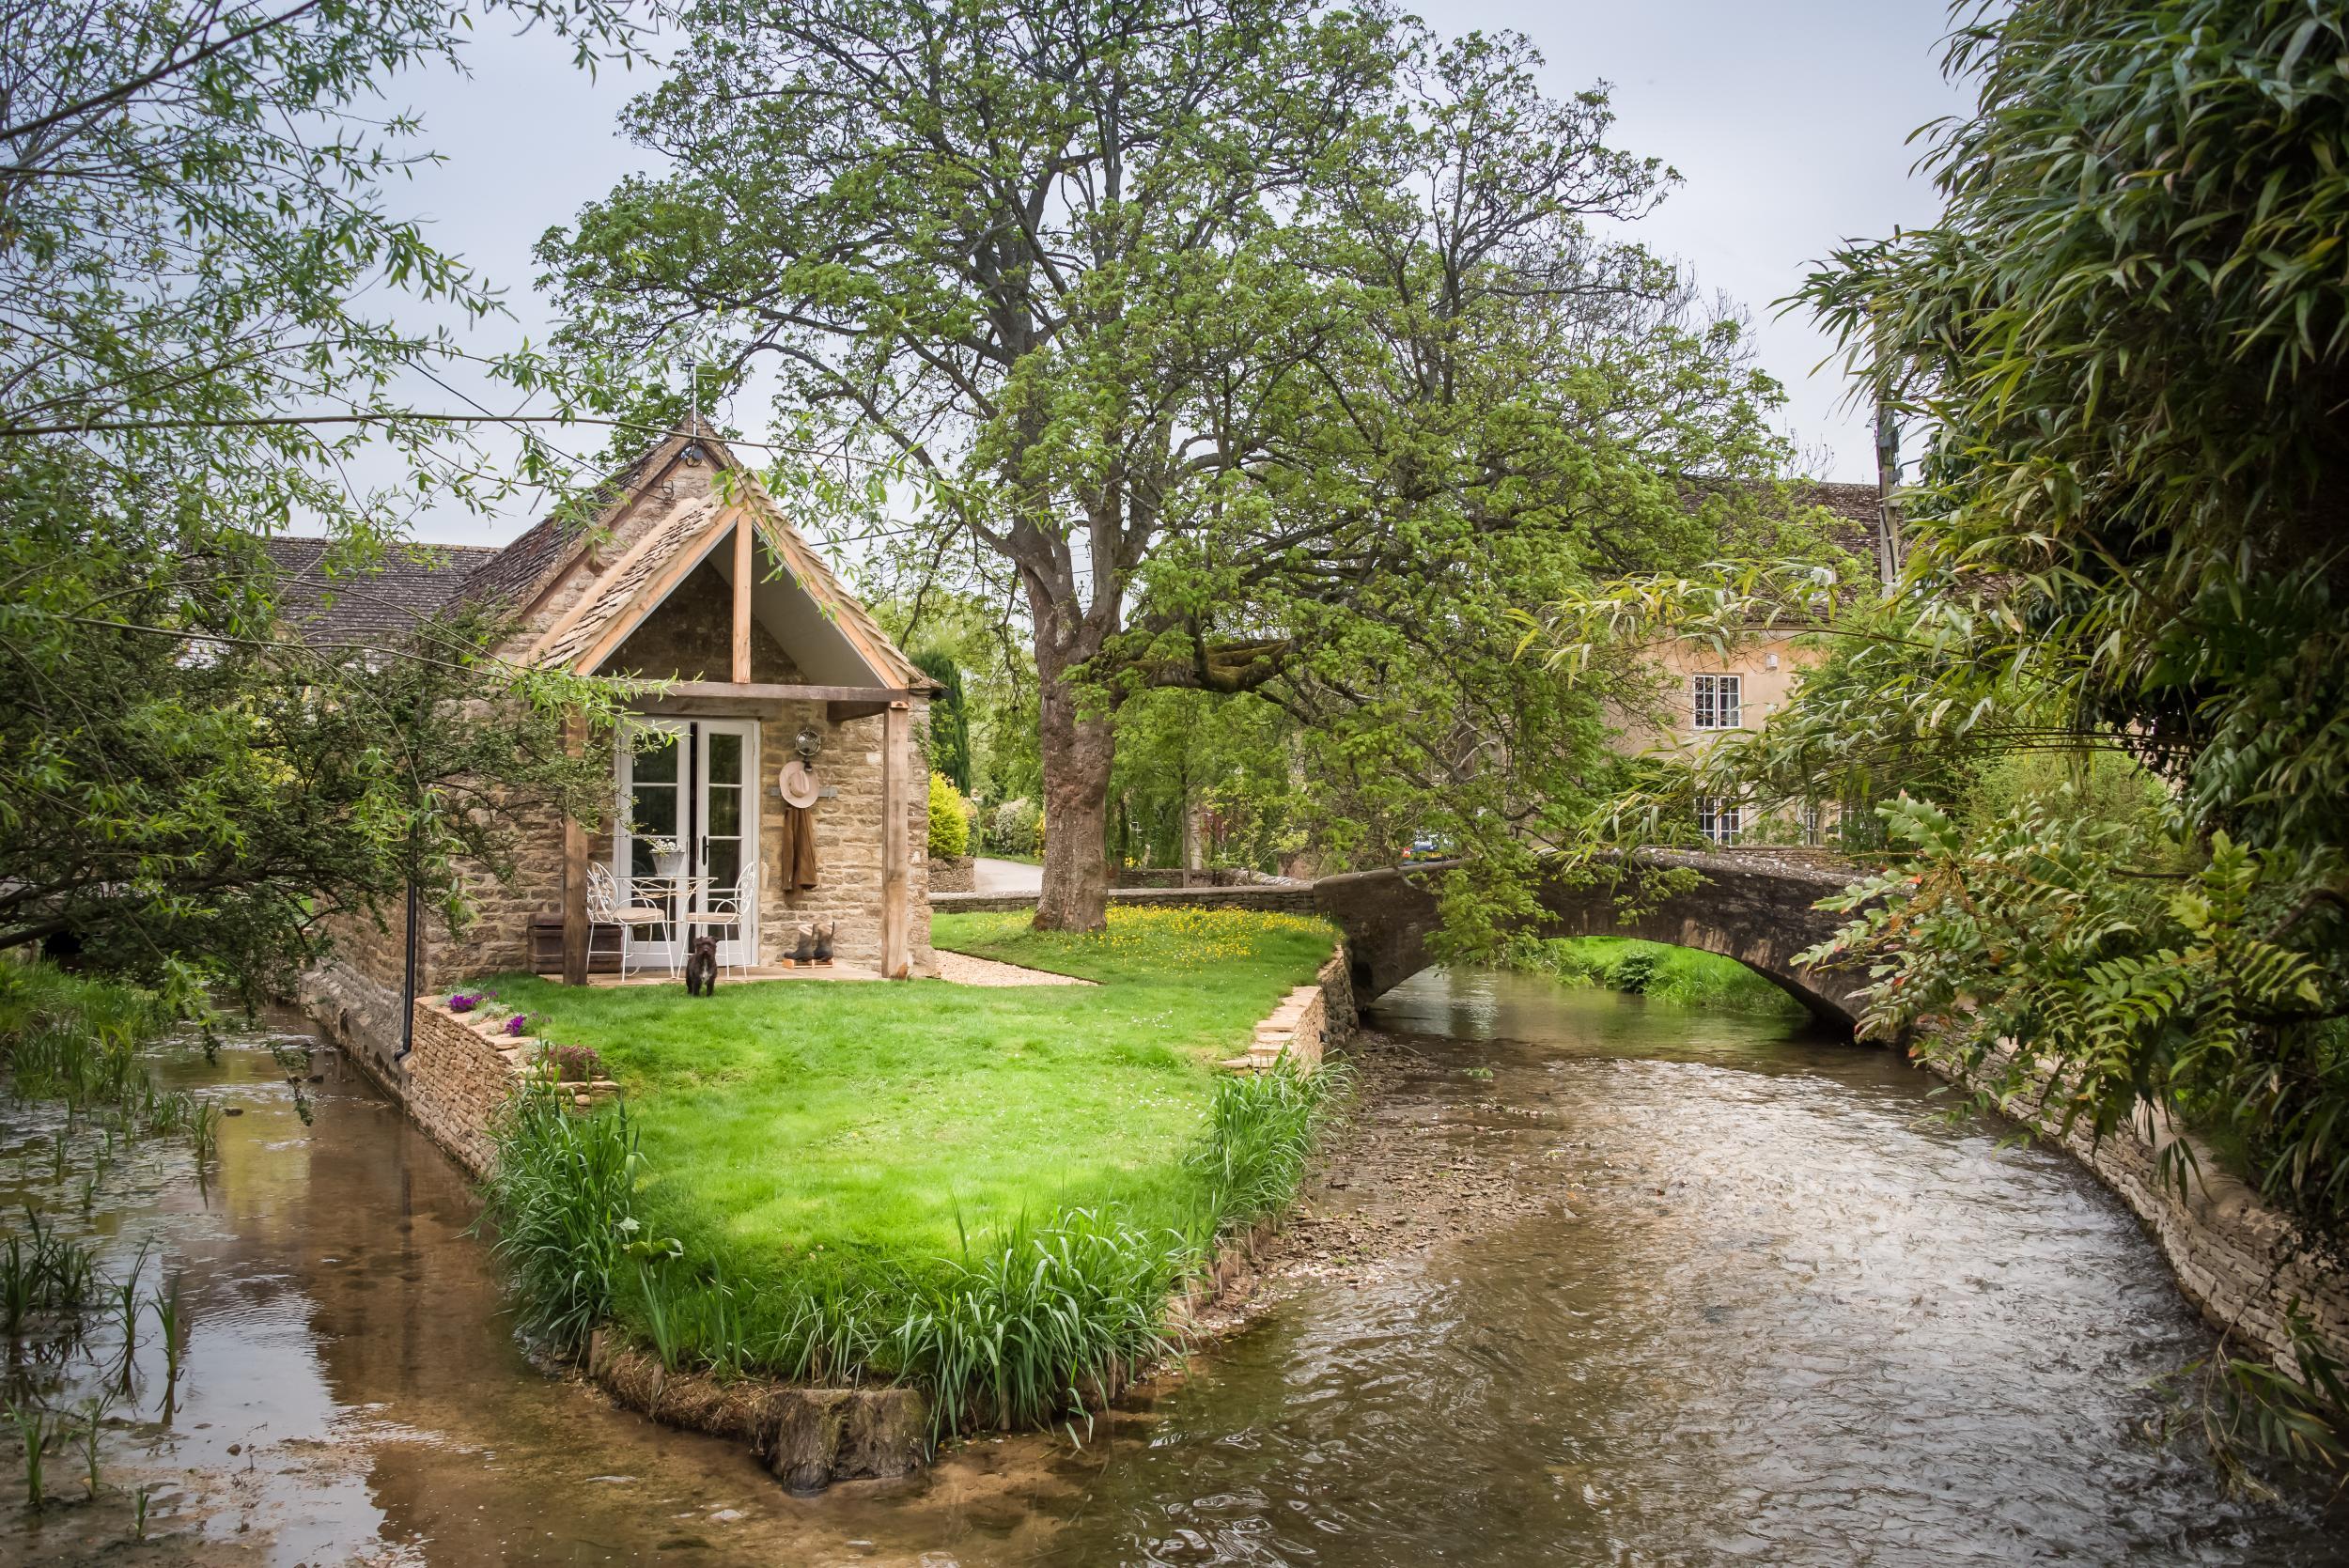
point(164, 812)
point(950, 821)
point(2129, 986)
point(993, 682)
point(1282, 357)
point(1041, 1322)
point(1228, 759)
point(2128, 340)
point(1262, 1127)
point(2100, 784)
point(2101, 716)
point(194, 216)
point(950, 720)
point(1016, 827)
point(562, 1199)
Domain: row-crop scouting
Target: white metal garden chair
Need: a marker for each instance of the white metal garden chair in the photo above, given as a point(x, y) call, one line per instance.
point(733, 913)
point(605, 909)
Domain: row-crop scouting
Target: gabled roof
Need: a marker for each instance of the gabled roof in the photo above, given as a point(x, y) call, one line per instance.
point(378, 607)
point(609, 598)
point(831, 595)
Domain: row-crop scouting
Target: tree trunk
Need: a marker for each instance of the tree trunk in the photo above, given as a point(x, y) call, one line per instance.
point(1077, 752)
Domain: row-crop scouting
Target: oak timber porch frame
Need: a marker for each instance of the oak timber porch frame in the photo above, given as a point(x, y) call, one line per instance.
point(644, 580)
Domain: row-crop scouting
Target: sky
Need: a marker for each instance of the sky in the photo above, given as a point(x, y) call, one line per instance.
point(1787, 120)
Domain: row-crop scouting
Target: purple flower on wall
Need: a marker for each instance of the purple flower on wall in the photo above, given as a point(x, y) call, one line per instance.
point(517, 1025)
point(464, 1002)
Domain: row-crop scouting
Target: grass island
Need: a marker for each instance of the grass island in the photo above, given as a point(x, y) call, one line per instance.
point(989, 1192)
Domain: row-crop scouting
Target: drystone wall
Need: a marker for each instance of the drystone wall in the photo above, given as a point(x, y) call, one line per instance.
point(1294, 898)
point(465, 1069)
point(1305, 1023)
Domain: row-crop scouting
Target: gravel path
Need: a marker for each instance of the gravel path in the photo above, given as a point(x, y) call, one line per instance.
point(988, 874)
point(963, 970)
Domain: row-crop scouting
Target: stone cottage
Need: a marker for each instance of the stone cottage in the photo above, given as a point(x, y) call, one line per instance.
point(689, 573)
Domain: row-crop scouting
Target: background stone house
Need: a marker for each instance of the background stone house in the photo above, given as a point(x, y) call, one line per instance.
point(688, 574)
point(1710, 693)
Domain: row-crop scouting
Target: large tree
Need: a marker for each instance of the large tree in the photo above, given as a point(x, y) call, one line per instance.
point(1205, 325)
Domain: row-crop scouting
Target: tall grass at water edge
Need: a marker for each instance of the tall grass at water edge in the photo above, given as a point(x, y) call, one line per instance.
point(1028, 1322)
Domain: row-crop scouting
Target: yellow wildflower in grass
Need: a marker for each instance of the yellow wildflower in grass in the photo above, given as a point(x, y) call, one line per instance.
point(1189, 938)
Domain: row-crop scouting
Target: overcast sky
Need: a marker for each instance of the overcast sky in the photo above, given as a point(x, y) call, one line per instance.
point(1788, 121)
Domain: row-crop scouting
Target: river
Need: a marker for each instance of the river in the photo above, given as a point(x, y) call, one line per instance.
point(1593, 1281)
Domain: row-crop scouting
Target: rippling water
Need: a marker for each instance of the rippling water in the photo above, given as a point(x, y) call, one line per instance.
point(1764, 1307)
point(1782, 1314)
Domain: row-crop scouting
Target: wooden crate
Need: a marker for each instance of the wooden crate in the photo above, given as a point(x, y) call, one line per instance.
point(546, 946)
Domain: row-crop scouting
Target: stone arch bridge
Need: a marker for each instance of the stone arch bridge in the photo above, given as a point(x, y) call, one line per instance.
point(1752, 906)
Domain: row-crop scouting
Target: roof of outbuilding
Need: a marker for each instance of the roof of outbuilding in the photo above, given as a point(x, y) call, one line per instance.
point(1856, 508)
point(368, 606)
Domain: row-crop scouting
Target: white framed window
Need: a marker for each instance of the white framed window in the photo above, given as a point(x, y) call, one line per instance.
point(1720, 818)
point(1717, 701)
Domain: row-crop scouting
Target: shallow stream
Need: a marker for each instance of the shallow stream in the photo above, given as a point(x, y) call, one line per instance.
point(1595, 1282)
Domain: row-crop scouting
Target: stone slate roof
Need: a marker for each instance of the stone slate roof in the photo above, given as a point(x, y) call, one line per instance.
point(381, 606)
point(611, 595)
point(1855, 507)
point(369, 608)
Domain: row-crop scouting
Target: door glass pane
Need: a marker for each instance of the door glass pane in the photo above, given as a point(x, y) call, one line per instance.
point(725, 863)
point(657, 763)
point(652, 813)
point(725, 810)
point(725, 758)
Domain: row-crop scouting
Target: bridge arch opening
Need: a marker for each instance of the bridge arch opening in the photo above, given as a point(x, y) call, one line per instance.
point(1758, 912)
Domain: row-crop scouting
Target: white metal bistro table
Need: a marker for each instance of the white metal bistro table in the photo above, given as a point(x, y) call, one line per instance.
point(684, 896)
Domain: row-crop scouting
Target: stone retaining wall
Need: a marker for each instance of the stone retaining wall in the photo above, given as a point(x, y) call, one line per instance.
point(463, 1072)
point(1306, 1022)
point(1163, 877)
point(952, 874)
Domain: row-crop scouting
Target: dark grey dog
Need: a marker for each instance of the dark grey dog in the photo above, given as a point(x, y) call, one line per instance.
point(701, 968)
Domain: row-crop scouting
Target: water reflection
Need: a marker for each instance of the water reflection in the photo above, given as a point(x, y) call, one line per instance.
point(1760, 1306)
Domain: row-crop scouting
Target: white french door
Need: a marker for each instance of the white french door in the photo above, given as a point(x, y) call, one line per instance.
point(689, 807)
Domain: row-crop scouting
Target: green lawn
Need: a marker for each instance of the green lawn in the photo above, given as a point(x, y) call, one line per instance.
point(881, 1123)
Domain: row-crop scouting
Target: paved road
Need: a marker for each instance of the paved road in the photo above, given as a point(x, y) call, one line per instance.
point(989, 876)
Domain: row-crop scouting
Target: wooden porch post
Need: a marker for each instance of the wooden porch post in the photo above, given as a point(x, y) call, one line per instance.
point(741, 599)
point(895, 960)
point(575, 927)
